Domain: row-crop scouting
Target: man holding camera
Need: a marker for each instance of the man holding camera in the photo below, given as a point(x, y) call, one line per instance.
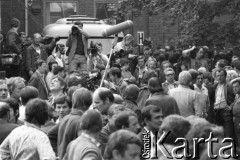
point(77, 51)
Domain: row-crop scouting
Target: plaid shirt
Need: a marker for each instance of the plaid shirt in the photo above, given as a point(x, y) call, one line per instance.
point(27, 142)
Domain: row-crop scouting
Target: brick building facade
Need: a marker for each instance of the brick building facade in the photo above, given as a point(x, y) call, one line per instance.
point(40, 15)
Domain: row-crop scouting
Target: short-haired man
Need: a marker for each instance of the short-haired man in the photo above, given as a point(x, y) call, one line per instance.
point(123, 144)
point(185, 97)
point(77, 51)
point(37, 80)
point(5, 127)
point(26, 94)
point(166, 103)
point(170, 83)
point(224, 97)
point(235, 108)
point(69, 125)
point(38, 51)
point(91, 126)
point(130, 97)
point(62, 107)
point(127, 120)
point(116, 77)
point(203, 98)
point(15, 85)
point(28, 138)
point(102, 100)
point(3, 90)
point(57, 88)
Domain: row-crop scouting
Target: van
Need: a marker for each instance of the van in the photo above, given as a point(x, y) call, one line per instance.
point(92, 26)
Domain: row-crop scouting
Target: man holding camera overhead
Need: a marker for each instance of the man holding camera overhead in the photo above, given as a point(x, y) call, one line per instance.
point(77, 51)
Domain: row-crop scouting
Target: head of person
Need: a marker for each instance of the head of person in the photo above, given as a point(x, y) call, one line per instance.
point(28, 93)
point(221, 75)
point(102, 99)
point(165, 65)
point(207, 78)
point(236, 85)
point(37, 38)
point(202, 69)
point(60, 49)
point(155, 85)
point(91, 122)
point(23, 37)
point(177, 125)
point(125, 63)
point(147, 52)
point(52, 65)
point(75, 28)
point(14, 109)
point(36, 111)
point(41, 66)
point(184, 67)
point(151, 64)
point(71, 90)
point(58, 70)
point(3, 90)
point(15, 85)
point(123, 145)
point(152, 117)
point(200, 53)
point(57, 84)
point(4, 111)
point(169, 75)
point(118, 99)
point(127, 120)
point(185, 78)
point(62, 106)
point(194, 75)
point(82, 99)
point(220, 64)
point(128, 40)
point(231, 74)
point(131, 92)
point(200, 78)
point(115, 73)
point(15, 23)
point(76, 80)
point(148, 75)
point(141, 61)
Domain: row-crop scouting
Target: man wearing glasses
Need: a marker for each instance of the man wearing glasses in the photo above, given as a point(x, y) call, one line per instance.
point(170, 83)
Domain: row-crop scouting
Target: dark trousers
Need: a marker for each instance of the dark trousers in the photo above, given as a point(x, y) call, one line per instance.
point(225, 118)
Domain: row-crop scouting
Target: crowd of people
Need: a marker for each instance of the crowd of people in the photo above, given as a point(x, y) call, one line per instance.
point(84, 107)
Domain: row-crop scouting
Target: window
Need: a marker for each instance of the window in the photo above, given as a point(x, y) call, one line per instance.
point(57, 10)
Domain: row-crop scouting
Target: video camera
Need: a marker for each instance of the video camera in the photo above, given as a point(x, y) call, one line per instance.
point(92, 80)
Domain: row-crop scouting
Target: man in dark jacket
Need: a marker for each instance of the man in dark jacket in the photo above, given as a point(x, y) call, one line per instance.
point(37, 80)
point(13, 46)
point(158, 98)
point(38, 51)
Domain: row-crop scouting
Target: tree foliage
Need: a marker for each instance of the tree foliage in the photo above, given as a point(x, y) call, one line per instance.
point(203, 22)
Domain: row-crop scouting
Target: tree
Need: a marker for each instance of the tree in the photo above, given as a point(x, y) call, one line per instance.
point(202, 22)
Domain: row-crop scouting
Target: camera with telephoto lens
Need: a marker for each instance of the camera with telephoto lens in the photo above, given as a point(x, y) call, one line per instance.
point(75, 29)
point(93, 48)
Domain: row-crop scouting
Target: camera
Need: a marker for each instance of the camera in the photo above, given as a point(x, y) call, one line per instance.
point(75, 29)
point(93, 48)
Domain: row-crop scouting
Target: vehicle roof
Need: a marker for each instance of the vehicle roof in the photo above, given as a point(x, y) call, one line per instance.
point(92, 26)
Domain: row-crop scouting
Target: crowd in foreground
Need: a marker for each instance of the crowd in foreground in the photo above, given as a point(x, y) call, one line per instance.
point(84, 109)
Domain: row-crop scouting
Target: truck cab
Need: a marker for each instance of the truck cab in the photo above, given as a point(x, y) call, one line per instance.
point(92, 26)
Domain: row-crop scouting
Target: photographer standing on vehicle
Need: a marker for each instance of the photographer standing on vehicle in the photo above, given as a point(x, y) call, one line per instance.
point(77, 51)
